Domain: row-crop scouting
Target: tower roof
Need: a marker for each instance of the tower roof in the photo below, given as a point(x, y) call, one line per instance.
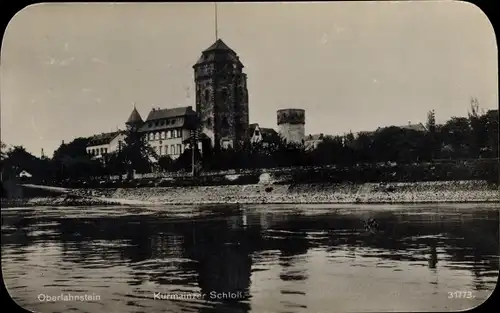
point(219, 45)
point(134, 118)
point(216, 51)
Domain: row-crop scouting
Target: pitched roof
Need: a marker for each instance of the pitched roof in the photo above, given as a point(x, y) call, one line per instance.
point(418, 127)
point(251, 128)
point(103, 138)
point(134, 118)
point(219, 51)
point(265, 132)
point(218, 45)
point(160, 119)
point(268, 132)
point(159, 114)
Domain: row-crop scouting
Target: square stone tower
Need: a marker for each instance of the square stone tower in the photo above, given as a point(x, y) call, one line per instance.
point(221, 96)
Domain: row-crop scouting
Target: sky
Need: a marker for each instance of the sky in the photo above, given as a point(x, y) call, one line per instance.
point(74, 69)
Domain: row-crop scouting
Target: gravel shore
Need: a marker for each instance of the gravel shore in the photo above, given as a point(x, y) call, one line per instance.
point(420, 192)
point(369, 193)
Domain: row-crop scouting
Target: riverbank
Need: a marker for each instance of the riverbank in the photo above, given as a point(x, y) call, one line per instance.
point(369, 193)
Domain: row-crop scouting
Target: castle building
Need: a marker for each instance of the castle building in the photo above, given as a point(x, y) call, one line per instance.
point(221, 96)
point(291, 124)
point(167, 131)
point(221, 111)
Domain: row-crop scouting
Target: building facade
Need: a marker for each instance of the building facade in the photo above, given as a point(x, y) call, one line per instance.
point(291, 125)
point(105, 143)
point(221, 96)
point(167, 131)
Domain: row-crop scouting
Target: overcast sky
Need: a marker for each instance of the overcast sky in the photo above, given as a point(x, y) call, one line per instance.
point(70, 70)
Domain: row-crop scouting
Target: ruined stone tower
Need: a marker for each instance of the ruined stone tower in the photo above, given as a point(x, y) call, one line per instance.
point(291, 124)
point(221, 96)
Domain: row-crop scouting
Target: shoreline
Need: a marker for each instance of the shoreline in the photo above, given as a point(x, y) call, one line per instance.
point(368, 193)
point(25, 203)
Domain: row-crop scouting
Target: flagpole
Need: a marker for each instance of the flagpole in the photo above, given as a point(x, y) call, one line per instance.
point(215, 12)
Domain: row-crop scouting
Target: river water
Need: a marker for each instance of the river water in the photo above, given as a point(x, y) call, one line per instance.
point(279, 259)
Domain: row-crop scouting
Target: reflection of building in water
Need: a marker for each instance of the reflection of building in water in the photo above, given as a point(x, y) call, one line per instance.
point(166, 245)
point(222, 257)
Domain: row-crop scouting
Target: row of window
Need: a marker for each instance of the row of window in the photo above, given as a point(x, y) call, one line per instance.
point(162, 122)
point(98, 151)
point(164, 150)
point(174, 133)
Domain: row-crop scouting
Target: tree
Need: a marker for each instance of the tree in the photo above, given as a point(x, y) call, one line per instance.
point(166, 163)
point(136, 154)
point(479, 132)
point(431, 134)
point(18, 159)
point(456, 133)
point(76, 148)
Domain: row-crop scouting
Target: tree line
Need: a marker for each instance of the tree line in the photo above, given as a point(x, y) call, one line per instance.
point(460, 138)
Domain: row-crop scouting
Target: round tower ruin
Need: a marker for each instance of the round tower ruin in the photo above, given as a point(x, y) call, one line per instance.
point(291, 124)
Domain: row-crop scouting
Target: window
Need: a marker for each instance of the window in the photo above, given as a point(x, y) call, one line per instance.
point(105, 150)
point(151, 136)
point(160, 150)
point(169, 134)
point(162, 122)
point(172, 149)
point(157, 136)
point(102, 150)
point(207, 95)
point(257, 133)
point(179, 149)
point(166, 149)
point(179, 133)
point(162, 135)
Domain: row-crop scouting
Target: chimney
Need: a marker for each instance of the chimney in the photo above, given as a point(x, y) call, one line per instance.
point(409, 123)
point(62, 142)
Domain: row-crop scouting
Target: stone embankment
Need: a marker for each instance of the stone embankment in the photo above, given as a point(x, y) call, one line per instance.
point(419, 192)
point(61, 200)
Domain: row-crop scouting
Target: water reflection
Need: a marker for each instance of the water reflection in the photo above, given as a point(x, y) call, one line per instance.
point(252, 259)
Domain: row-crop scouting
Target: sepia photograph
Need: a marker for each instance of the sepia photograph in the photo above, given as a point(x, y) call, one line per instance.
point(279, 157)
